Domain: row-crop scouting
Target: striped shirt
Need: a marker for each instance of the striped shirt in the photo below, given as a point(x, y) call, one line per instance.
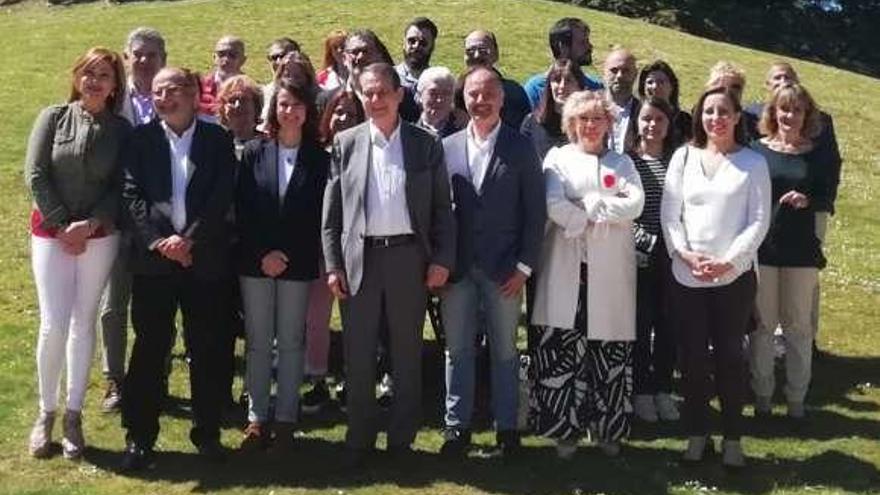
point(646, 228)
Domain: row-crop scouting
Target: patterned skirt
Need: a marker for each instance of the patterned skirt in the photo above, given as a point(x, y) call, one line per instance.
point(580, 385)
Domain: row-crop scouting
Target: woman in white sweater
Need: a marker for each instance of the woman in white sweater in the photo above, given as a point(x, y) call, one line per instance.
point(583, 373)
point(714, 213)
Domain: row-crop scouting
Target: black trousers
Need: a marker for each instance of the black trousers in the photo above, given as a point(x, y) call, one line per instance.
point(154, 304)
point(716, 315)
point(654, 359)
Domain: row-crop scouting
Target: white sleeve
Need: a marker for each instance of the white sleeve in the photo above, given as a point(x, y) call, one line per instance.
point(742, 250)
point(672, 203)
point(560, 210)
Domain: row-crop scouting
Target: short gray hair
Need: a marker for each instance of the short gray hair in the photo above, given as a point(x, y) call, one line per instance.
point(145, 35)
point(436, 75)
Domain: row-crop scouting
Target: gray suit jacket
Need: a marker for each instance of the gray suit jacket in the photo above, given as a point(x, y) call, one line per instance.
point(427, 197)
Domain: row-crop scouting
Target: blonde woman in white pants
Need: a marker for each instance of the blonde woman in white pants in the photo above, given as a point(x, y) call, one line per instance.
point(72, 170)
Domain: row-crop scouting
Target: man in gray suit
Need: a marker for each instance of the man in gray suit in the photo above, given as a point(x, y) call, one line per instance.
point(388, 238)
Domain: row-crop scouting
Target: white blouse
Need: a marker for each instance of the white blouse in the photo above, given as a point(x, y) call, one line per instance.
point(725, 216)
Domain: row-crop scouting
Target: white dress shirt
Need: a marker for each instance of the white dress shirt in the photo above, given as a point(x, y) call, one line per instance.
point(180, 148)
point(386, 208)
point(617, 136)
point(286, 164)
point(725, 216)
point(479, 152)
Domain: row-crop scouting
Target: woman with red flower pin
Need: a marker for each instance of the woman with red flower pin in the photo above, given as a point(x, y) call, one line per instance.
point(583, 374)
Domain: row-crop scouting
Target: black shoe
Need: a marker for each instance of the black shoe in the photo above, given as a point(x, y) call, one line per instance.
point(456, 442)
point(355, 459)
point(212, 451)
point(136, 457)
point(400, 452)
point(315, 399)
point(508, 443)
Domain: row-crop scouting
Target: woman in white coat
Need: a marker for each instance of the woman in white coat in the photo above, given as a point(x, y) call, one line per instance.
point(583, 373)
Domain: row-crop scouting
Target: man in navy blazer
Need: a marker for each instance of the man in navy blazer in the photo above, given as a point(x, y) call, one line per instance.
point(500, 210)
point(177, 192)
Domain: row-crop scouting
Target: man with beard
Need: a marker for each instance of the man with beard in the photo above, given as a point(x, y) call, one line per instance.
point(418, 46)
point(500, 210)
point(570, 39)
point(481, 49)
point(619, 72)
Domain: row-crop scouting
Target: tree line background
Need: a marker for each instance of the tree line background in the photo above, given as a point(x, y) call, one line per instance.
point(842, 33)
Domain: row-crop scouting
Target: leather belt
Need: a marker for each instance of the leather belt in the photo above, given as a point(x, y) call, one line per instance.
point(388, 241)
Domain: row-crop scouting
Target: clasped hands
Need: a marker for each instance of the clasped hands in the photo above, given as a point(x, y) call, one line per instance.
point(795, 199)
point(73, 237)
point(176, 248)
point(704, 267)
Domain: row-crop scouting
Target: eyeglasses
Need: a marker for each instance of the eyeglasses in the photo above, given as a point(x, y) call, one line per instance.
point(274, 57)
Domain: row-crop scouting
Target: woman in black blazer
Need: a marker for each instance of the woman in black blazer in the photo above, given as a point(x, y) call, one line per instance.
point(278, 213)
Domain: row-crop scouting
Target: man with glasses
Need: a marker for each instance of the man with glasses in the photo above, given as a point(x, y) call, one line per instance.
point(481, 49)
point(276, 52)
point(177, 191)
point(229, 57)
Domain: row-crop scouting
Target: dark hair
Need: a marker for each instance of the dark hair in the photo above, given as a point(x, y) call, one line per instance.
point(95, 55)
point(423, 24)
point(562, 33)
point(302, 61)
point(306, 97)
point(546, 113)
point(700, 138)
point(286, 44)
point(660, 66)
point(383, 70)
point(325, 133)
point(370, 37)
point(670, 140)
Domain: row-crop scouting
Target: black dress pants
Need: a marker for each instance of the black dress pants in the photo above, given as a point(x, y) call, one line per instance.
point(716, 315)
point(654, 359)
point(155, 300)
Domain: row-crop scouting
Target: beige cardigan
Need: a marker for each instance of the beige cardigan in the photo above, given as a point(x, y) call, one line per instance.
point(589, 220)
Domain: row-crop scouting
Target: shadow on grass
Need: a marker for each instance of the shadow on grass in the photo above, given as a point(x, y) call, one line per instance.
point(315, 465)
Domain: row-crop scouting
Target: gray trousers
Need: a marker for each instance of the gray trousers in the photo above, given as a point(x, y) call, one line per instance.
point(393, 282)
point(274, 310)
point(114, 314)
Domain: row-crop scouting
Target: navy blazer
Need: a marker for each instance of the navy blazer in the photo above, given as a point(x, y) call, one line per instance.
point(502, 224)
point(146, 198)
point(291, 224)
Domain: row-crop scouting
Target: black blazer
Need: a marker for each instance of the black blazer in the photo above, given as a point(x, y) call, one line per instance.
point(266, 223)
point(146, 197)
point(502, 224)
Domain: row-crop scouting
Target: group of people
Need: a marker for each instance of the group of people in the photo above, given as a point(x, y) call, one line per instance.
point(644, 238)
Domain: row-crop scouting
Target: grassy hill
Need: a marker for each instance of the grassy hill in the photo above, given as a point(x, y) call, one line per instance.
point(838, 453)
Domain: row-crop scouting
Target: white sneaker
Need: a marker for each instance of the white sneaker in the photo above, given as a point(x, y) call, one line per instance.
point(732, 455)
point(566, 448)
point(667, 408)
point(643, 407)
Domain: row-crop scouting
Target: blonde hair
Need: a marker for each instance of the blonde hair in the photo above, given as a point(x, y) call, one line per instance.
point(93, 56)
point(581, 102)
point(789, 95)
point(723, 69)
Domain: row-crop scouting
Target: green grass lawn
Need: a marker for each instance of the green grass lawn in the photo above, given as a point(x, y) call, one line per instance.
point(839, 453)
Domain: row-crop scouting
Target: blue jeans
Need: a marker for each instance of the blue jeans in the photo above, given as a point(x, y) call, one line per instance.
point(459, 309)
point(274, 310)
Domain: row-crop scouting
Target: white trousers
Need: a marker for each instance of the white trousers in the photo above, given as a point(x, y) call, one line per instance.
point(68, 291)
point(785, 298)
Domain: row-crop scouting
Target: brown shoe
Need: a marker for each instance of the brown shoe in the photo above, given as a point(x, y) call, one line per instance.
point(40, 442)
point(283, 438)
point(256, 437)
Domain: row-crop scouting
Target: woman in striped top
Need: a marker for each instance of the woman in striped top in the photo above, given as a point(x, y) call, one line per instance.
point(652, 365)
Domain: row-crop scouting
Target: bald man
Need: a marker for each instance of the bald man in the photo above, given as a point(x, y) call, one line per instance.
point(177, 190)
point(481, 49)
point(619, 73)
point(229, 57)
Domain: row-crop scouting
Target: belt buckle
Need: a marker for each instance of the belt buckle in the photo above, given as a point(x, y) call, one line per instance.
point(386, 241)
